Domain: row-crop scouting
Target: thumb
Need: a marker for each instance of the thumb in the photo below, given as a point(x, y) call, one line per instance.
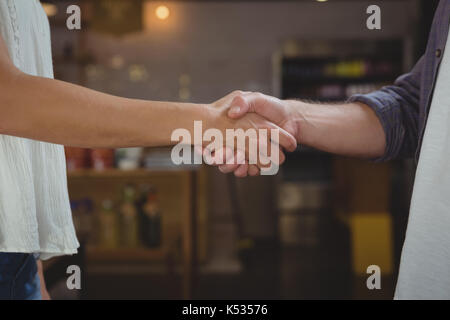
point(239, 106)
point(266, 106)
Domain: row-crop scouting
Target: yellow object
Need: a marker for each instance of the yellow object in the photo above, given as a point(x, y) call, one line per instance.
point(372, 242)
point(50, 9)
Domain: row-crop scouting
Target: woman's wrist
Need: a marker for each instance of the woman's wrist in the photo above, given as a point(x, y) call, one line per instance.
point(216, 118)
point(208, 116)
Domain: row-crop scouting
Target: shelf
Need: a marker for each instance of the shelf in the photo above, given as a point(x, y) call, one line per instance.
point(96, 254)
point(118, 173)
point(323, 79)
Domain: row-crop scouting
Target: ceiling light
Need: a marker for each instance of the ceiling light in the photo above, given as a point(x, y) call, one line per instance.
point(162, 12)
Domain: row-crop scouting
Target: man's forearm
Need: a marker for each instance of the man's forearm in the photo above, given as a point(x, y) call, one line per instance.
point(350, 129)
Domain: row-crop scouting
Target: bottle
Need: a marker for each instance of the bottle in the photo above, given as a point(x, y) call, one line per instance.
point(141, 200)
point(82, 216)
point(151, 225)
point(128, 158)
point(74, 206)
point(76, 158)
point(102, 159)
point(129, 218)
point(108, 225)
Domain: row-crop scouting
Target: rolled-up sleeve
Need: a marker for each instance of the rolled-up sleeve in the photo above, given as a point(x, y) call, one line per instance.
point(397, 107)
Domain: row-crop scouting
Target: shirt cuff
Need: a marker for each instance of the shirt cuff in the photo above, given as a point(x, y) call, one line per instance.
point(383, 110)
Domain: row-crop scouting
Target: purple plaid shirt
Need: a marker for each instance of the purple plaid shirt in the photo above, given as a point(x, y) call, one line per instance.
point(403, 107)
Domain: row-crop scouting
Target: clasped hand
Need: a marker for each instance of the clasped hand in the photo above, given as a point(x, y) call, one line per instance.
point(242, 111)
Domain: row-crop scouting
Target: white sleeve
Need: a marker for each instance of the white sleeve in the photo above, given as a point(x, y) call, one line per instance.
point(9, 29)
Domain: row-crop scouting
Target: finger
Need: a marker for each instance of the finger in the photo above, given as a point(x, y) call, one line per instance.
point(216, 157)
point(255, 151)
point(281, 157)
point(208, 157)
point(240, 157)
point(282, 137)
point(228, 98)
point(253, 170)
point(263, 153)
point(229, 155)
point(241, 172)
point(232, 162)
point(269, 153)
point(227, 168)
point(275, 147)
point(268, 107)
point(243, 167)
point(238, 107)
point(219, 156)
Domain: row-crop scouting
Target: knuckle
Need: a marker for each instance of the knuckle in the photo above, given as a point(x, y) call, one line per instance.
point(239, 99)
point(258, 95)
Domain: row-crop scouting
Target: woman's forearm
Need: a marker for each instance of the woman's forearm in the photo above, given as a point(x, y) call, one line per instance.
point(63, 113)
point(59, 112)
point(350, 129)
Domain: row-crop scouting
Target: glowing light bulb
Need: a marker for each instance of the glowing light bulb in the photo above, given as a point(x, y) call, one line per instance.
point(162, 12)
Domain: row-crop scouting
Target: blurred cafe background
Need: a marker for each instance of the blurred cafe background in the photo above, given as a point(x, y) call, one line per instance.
point(152, 230)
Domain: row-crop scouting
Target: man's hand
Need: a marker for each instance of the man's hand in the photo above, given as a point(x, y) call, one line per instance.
point(271, 108)
point(349, 129)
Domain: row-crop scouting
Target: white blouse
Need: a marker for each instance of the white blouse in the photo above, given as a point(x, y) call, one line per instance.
point(35, 215)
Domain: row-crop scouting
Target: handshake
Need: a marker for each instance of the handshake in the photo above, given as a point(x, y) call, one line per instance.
point(248, 135)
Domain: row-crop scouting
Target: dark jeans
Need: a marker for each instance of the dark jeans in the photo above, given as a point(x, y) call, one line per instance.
point(19, 279)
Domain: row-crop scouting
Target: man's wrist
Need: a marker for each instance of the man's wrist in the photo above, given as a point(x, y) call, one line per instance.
point(297, 114)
